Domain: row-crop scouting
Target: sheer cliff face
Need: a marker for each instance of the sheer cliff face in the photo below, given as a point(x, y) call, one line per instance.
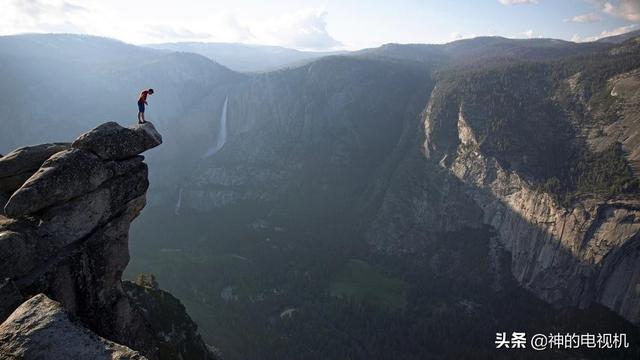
point(64, 232)
point(568, 253)
point(320, 130)
point(344, 135)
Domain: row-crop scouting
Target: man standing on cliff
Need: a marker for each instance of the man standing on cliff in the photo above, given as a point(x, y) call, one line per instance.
point(142, 101)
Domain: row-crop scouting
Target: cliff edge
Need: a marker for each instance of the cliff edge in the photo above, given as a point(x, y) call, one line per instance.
point(64, 243)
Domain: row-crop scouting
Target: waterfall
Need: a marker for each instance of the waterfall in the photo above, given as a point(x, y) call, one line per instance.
point(221, 139)
point(178, 203)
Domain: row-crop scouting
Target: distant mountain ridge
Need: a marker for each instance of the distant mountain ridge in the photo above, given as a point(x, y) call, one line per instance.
point(618, 39)
point(261, 58)
point(483, 49)
point(245, 57)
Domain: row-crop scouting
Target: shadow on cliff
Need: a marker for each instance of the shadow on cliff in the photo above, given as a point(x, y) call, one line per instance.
point(555, 271)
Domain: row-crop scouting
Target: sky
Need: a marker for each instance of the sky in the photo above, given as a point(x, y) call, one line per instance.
point(321, 25)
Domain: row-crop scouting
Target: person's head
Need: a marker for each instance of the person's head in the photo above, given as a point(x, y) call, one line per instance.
point(150, 91)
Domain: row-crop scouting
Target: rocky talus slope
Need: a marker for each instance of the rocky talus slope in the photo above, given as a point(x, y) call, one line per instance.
point(64, 246)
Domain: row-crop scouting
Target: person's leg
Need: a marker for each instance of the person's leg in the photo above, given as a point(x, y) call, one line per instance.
point(140, 113)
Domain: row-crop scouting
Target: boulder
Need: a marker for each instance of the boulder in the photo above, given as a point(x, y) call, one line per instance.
point(28, 158)
point(76, 218)
point(20, 252)
point(41, 328)
point(66, 237)
point(12, 183)
point(10, 298)
point(62, 177)
point(17, 166)
point(110, 141)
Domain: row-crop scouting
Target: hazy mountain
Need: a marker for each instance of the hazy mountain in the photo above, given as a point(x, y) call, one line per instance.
point(381, 204)
point(245, 57)
point(618, 39)
point(56, 85)
point(483, 49)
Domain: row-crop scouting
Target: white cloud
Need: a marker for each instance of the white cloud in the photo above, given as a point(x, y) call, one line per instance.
point(236, 31)
point(301, 29)
point(606, 33)
point(517, 2)
point(42, 15)
point(528, 34)
point(40, 10)
point(170, 33)
point(223, 27)
point(625, 9)
point(584, 18)
point(304, 29)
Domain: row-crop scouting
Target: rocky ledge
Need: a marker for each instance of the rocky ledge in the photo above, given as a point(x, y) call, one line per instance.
point(64, 246)
point(42, 329)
